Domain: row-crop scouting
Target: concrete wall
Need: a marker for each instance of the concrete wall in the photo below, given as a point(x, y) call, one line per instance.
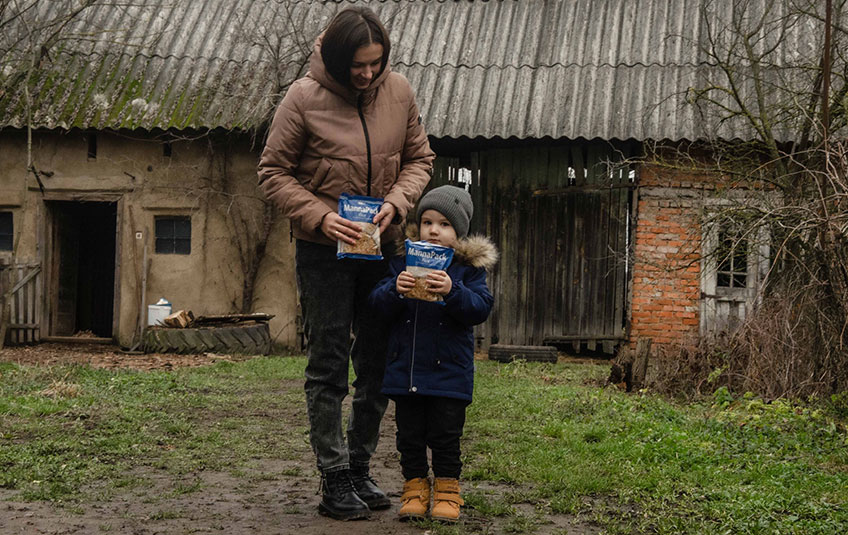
point(212, 180)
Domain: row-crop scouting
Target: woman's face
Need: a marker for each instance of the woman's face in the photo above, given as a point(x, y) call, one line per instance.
point(367, 62)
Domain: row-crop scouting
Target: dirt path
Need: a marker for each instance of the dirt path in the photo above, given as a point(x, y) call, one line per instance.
point(265, 500)
point(226, 504)
point(106, 356)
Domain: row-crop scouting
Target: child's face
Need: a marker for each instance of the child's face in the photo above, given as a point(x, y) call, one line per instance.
point(435, 228)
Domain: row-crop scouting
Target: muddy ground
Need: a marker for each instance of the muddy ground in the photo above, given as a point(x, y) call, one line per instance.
point(230, 503)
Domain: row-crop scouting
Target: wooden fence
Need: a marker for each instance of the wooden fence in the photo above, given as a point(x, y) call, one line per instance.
point(23, 298)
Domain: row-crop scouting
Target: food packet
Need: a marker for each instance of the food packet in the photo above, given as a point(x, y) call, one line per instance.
point(423, 258)
point(361, 210)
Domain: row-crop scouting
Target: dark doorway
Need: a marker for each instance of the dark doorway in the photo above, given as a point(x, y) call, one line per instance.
point(83, 286)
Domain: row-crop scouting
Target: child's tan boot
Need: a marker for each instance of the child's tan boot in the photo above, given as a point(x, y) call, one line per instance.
point(446, 499)
point(415, 500)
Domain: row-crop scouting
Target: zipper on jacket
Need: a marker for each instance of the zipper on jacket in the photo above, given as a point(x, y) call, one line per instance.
point(367, 141)
point(412, 359)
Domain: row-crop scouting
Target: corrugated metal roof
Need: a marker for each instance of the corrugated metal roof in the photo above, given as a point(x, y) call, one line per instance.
point(534, 68)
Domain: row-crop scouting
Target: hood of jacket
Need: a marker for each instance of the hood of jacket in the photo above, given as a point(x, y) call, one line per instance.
point(318, 72)
point(317, 149)
point(475, 250)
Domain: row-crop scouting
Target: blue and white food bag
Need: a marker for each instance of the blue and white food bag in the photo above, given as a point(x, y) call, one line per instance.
point(361, 210)
point(423, 258)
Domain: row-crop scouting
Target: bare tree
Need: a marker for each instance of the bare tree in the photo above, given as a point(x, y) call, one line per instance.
point(791, 95)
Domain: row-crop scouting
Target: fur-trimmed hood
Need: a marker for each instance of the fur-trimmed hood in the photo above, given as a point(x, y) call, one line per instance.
point(475, 250)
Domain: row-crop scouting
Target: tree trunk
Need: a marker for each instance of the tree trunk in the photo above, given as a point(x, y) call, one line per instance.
point(255, 260)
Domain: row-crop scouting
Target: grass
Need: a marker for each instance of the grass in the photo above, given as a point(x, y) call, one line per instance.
point(54, 446)
point(543, 443)
point(738, 466)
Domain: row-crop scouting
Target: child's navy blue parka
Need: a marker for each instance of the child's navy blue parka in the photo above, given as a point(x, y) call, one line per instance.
point(431, 345)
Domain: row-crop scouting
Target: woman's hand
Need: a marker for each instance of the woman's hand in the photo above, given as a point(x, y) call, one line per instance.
point(439, 282)
point(405, 282)
point(336, 227)
point(385, 216)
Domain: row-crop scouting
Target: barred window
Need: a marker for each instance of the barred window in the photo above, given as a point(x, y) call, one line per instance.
point(173, 235)
point(732, 259)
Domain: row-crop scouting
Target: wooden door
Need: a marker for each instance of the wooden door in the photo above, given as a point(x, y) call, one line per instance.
point(560, 217)
point(733, 268)
point(66, 272)
point(563, 271)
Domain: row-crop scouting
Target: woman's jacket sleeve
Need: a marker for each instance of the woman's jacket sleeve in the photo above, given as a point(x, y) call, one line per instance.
point(280, 158)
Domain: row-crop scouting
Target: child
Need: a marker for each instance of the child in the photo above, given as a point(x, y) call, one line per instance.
point(430, 368)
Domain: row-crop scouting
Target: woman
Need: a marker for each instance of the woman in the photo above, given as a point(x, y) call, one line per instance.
point(350, 125)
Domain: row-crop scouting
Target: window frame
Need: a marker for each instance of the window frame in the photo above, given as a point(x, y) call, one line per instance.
point(167, 240)
point(731, 251)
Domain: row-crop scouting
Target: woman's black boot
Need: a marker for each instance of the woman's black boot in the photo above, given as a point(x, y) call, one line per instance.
point(338, 497)
point(367, 488)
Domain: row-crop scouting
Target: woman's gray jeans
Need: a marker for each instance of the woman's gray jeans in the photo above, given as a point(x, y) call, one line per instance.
point(334, 301)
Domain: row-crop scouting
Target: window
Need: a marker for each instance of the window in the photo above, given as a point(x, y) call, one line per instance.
point(732, 260)
point(173, 235)
point(6, 231)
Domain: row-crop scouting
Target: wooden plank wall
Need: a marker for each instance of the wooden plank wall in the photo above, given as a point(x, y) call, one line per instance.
point(559, 216)
point(446, 171)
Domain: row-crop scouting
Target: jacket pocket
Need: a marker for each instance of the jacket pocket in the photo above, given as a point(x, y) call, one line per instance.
point(457, 347)
point(389, 175)
point(320, 174)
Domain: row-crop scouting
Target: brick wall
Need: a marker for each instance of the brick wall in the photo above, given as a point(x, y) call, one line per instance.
point(667, 246)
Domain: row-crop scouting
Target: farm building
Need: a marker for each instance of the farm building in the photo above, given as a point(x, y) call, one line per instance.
point(129, 138)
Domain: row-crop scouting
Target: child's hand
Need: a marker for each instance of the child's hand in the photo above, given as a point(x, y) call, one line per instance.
point(405, 282)
point(439, 282)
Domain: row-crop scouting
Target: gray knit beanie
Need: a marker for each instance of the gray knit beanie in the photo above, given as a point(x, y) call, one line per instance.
point(452, 202)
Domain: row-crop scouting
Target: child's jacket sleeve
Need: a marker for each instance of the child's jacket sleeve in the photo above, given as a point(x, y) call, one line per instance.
point(384, 298)
point(469, 302)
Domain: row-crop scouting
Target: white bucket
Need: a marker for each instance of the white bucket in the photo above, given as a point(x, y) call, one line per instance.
point(157, 313)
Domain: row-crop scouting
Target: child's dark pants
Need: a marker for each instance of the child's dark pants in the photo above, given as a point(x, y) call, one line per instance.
point(434, 422)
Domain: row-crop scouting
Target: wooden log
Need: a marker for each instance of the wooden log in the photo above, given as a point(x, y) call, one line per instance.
point(640, 363)
point(629, 367)
point(508, 353)
point(179, 319)
point(233, 318)
point(621, 369)
point(145, 267)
